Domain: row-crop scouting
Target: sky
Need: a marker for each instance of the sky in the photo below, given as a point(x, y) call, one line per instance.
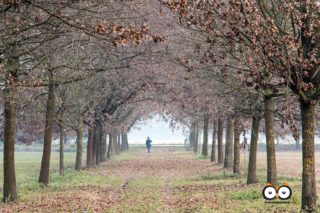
point(159, 132)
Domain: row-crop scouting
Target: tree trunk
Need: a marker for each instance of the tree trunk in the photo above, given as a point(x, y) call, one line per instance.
point(118, 143)
point(103, 151)
point(114, 142)
point(229, 143)
point(205, 136)
point(10, 113)
point(236, 149)
point(79, 144)
point(309, 194)
point(61, 152)
point(124, 141)
point(94, 142)
point(196, 138)
point(192, 136)
point(252, 177)
point(45, 163)
point(271, 154)
point(90, 146)
point(97, 141)
point(214, 137)
point(220, 141)
point(109, 146)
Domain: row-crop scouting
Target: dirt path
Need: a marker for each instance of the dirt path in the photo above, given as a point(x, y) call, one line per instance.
point(166, 180)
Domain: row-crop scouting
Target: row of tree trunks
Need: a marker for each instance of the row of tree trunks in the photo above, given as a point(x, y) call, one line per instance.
point(97, 144)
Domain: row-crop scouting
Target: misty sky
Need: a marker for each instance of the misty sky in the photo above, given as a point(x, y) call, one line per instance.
point(158, 130)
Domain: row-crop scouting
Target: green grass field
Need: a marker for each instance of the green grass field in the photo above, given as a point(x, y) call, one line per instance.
point(167, 180)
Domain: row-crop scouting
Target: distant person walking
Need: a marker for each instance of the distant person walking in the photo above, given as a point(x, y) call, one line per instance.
point(148, 144)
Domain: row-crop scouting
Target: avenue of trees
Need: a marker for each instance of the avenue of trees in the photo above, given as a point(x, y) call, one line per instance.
point(97, 67)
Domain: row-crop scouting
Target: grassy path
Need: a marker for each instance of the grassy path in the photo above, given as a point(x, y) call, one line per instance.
point(167, 180)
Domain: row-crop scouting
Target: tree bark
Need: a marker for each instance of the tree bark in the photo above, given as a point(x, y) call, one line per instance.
point(61, 147)
point(124, 141)
point(220, 141)
point(205, 135)
point(236, 149)
point(97, 141)
point(79, 144)
point(10, 113)
point(192, 136)
point(271, 153)
point(309, 194)
point(124, 138)
point(103, 151)
point(229, 143)
point(252, 176)
point(45, 163)
point(118, 143)
point(214, 138)
point(94, 142)
point(114, 142)
point(109, 146)
point(196, 138)
point(90, 146)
